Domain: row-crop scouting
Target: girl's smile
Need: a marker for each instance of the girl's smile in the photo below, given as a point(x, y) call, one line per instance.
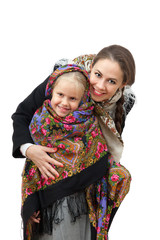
point(63, 109)
point(66, 97)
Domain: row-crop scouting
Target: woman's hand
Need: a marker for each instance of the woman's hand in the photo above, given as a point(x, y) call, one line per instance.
point(38, 154)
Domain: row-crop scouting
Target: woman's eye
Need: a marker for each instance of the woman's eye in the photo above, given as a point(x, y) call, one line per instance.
point(98, 74)
point(111, 81)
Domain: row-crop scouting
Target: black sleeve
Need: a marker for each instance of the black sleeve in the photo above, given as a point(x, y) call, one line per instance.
point(127, 106)
point(22, 117)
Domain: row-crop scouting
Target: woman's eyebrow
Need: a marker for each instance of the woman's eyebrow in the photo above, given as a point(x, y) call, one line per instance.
point(112, 78)
point(96, 70)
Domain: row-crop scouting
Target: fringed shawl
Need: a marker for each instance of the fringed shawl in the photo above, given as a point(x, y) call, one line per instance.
point(84, 153)
point(81, 148)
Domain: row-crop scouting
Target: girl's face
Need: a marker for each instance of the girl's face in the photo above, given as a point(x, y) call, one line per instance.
point(106, 78)
point(66, 97)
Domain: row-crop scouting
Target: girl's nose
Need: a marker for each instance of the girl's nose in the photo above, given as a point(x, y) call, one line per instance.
point(65, 101)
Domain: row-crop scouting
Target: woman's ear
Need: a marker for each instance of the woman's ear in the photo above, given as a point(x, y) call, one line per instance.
point(123, 85)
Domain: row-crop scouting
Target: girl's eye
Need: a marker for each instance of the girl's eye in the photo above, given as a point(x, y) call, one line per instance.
point(60, 94)
point(73, 98)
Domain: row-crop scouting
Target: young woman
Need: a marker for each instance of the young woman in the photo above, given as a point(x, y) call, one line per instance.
point(110, 71)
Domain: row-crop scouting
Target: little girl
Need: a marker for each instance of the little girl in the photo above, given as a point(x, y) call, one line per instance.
point(66, 122)
point(67, 93)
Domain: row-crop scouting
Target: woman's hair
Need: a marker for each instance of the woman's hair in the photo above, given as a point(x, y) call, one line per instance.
point(126, 62)
point(75, 77)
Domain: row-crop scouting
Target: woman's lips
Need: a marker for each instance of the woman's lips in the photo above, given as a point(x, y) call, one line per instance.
point(97, 93)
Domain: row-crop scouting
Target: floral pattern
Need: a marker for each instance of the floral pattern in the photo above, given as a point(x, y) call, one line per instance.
point(105, 195)
point(80, 144)
point(77, 137)
point(85, 61)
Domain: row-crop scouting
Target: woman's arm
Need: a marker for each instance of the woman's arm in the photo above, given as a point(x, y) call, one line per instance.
point(22, 117)
point(129, 101)
point(21, 135)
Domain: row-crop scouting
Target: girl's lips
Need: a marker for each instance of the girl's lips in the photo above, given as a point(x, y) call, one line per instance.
point(63, 109)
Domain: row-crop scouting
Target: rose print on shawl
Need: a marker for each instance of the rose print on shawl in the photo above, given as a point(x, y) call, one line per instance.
point(80, 143)
point(76, 155)
point(77, 137)
point(68, 152)
point(107, 194)
point(47, 129)
point(119, 180)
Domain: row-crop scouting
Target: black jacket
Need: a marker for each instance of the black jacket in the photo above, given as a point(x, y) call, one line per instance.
point(22, 118)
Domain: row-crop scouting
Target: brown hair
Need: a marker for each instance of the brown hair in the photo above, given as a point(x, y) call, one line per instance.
point(126, 62)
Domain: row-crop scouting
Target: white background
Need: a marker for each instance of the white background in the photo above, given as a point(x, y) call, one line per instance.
point(36, 33)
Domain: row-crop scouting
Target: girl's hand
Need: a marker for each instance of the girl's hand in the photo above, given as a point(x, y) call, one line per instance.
point(38, 154)
point(35, 218)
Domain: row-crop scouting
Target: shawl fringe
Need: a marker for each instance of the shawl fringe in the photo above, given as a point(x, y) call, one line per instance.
point(66, 187)
point(54, 214)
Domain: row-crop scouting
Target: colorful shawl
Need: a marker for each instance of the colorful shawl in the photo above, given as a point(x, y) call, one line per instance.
point(81, 148)
point(83, 151)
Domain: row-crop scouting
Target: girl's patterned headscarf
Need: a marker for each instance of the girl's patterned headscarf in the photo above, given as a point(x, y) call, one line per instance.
point(66, 69)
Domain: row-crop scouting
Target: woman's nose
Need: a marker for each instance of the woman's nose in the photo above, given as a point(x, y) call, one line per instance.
point(100, 84)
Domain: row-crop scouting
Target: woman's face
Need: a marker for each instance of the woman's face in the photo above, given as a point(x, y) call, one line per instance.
point(106, 78)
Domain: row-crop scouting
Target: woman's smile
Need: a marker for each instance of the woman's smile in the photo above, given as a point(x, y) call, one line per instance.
point(106, 78)
point(97, 92)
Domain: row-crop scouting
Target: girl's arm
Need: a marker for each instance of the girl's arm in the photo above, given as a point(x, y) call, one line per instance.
point(22, 117)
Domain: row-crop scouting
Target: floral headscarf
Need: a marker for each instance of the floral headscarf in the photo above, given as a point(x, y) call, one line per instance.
point(66, 69)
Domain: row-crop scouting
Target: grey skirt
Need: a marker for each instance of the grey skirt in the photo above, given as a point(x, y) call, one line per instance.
point(67, 229)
